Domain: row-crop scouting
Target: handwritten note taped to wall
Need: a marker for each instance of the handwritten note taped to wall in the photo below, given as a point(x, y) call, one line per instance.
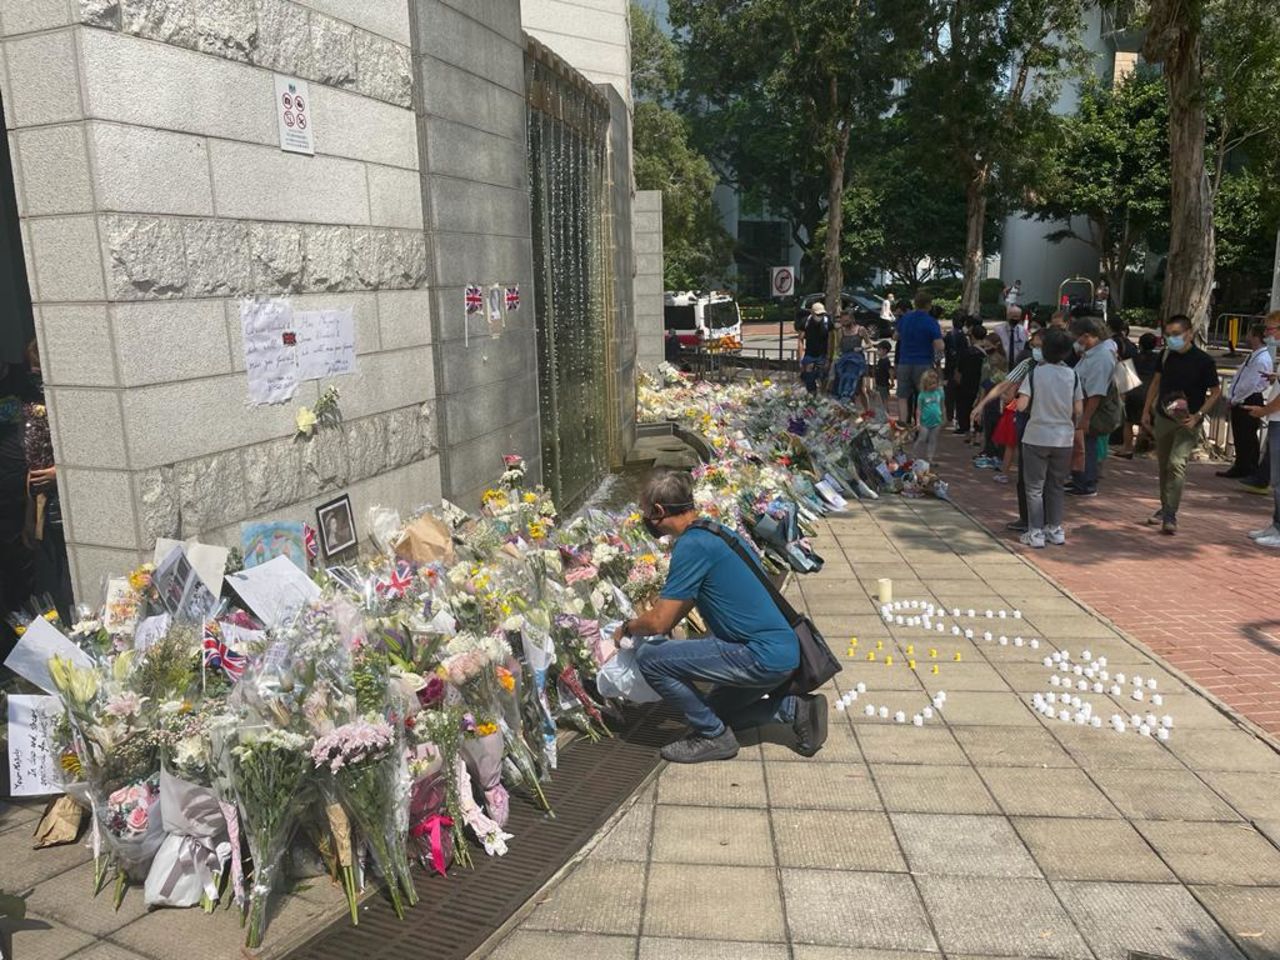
point(283, 347)
point(33, 755)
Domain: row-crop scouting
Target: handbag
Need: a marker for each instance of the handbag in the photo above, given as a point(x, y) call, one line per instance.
point(817, 663)
point(1126, 377)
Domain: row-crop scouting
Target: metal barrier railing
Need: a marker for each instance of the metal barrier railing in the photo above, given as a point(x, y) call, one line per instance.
point(1229, 329)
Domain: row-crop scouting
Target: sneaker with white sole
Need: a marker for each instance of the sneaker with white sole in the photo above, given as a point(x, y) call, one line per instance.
point(1033, 538)
point(1055, 535)
point(1272, 541)
point(1271, 531)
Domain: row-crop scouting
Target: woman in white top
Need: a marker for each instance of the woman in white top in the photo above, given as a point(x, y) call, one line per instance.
point(1270, 411)
point(1052, 398)
point(1247, 388)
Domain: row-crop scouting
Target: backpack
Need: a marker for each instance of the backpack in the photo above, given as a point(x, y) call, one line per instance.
point(1109, 413)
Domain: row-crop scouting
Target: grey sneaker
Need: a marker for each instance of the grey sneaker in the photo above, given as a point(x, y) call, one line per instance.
point(696, 748)
point(810, 724)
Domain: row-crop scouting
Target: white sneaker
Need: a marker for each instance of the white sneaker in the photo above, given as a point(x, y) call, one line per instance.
point(1056, 535)
point(1033, 538)
point(1271, 531)
point(1272, 541)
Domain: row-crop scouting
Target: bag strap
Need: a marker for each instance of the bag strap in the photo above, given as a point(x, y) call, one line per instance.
point(784, 607)
point(1031, 390)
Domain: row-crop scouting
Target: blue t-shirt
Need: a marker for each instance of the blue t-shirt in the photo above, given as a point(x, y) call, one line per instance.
point(916, 332)
point(930, 406)
point(731, 599)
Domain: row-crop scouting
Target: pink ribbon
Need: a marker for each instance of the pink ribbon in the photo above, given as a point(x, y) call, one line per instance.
point(230, 814)
point(433, 825)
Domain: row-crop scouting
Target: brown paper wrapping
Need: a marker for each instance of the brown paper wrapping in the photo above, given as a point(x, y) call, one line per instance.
point(340, 824)
point(60, 824)
point(425, 540)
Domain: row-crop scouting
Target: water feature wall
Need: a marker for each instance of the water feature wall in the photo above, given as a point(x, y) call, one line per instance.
point(568, 125)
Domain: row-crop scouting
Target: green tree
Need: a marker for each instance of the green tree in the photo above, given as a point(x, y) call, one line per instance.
point(1109, 164)
point(990, 74)
point(696, 246)
point(816, 68)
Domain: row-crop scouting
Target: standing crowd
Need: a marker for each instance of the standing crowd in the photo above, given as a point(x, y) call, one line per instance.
point(1046, 404)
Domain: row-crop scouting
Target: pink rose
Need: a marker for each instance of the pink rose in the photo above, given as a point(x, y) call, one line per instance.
point(119, 797)
point(138, 819)
point(138, 793)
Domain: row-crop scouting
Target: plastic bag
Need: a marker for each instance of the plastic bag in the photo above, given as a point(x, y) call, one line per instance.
point(620, 677)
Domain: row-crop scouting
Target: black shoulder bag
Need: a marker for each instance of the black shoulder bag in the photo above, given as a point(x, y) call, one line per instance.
point(817, 663)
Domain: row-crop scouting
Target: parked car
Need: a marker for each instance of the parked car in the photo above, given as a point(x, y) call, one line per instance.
point(865, 306)
point(702, 318)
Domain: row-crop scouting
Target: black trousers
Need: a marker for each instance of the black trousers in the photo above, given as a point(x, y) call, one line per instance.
point(966, 397)
point(1244, 430)
point(949, 390)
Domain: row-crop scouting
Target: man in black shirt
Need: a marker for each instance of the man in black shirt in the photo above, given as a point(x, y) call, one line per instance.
point(817, 347)
point(1184, 388)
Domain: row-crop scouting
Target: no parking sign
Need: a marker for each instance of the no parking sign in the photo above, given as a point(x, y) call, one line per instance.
point(782, 281)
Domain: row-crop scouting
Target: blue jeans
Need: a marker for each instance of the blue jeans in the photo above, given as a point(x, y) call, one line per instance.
point(1087, 479)
point(672, 666)
point(850, 369)
point(813, 370)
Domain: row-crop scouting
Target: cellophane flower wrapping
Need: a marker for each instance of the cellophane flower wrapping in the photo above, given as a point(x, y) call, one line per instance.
point(189, 864)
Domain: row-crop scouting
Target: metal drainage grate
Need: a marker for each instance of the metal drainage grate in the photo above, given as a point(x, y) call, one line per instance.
point(456, 914)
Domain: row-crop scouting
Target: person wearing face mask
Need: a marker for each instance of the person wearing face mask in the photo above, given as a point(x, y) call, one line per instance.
point(1095, 368)
point(1247, 387)
point(1184, 387)
point(1269, 536)
point(751, 649)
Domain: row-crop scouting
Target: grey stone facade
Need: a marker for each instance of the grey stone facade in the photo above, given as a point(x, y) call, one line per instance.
point(648, 282)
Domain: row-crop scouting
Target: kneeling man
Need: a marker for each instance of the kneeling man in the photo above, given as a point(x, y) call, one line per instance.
point(750, 652)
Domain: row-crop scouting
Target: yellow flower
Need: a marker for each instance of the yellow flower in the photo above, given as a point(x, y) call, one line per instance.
point(537, 531)
point(306, 421)
point(530, 498)
point(486, 729)
point(79, 685)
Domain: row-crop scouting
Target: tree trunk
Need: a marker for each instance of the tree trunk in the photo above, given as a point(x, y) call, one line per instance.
point(975, 225)
point(833, 268)
point(1275, 277)
point(1188, 283)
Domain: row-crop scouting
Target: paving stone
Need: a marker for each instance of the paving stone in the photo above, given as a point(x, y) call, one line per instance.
point(1250, 914)
point(1011, 747)
point(822, 786)
point(709, 835)
point(1190, 711)
point(898, 744)
point(42, 938)
point(836, 840)
point(855, 910)
point(1103, 749)
point(950, 844)
point(841, 746)
point(881, 679)
point(809, 952)
point(965, 676)
point(1226, 853)
point(1162, 795)
point(663, 948)
point(922, 789)
point(576, 903)
point(66, 898)
point(537, 945)
point(677, 903)
point(733, 783)
point(629, 838)
point(1093, 849)
point(1000, 917)
point(17, 814)
point(1163, 919)
point(1035, 792)
point(24, 867)
point(1232, 750)
point(104, 950)
point(1255, 795)
point(988, 709)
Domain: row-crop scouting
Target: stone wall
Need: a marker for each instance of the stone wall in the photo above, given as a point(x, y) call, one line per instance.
point(593, 35)
point(648, 282)
point(154, 195)
point(469, 61)
point(622, 194)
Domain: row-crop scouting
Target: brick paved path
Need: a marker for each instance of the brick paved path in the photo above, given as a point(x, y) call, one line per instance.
point(1207, 600)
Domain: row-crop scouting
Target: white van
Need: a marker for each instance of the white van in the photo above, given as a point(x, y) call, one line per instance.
point(700, 318)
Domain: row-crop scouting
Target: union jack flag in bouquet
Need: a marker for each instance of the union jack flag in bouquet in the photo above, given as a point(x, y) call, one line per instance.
point(217, 655)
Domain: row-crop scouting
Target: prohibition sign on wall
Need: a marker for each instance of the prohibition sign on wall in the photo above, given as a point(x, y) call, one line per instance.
point(782, 281)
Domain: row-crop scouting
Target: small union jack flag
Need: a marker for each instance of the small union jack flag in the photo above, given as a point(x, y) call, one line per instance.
point(218, 655)
point(309, 541)
point(474, 299)
point(513, 298)
point(397, 584)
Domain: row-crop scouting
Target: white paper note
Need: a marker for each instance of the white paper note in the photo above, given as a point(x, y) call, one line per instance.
point(210, 562)
point(33, 754)
point(149, 631)
point(269, 359)
point(326, 343)
point(274, 591)
point(35, 648)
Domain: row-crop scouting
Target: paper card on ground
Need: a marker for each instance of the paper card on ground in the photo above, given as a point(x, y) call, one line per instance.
point(150, 630)
point(210, 561)
point(274, 591)
point(121, 610)
point(41, 642)
point(270, 350)
point(33, 753)
point(260, 542)
point(180, 589)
